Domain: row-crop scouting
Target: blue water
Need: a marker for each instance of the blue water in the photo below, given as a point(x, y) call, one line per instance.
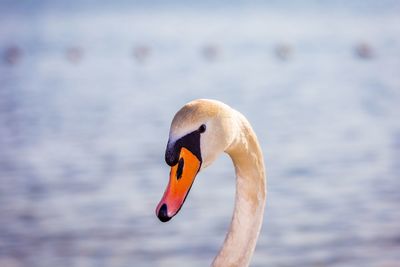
point(87, 96)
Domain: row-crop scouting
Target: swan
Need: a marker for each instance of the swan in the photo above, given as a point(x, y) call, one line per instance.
point(200, 131)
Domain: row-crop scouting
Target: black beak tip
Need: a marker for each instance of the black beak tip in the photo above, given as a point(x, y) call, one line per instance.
point(163, 213)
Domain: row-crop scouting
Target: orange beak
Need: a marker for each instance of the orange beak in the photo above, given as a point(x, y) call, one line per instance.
point(180, 181)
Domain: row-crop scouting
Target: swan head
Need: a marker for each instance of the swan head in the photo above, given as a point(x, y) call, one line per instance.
point(200, 131)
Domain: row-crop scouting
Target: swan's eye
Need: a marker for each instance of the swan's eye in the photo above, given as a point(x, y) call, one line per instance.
point(202, 128)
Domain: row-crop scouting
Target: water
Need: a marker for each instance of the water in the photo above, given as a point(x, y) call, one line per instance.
point(87, 96)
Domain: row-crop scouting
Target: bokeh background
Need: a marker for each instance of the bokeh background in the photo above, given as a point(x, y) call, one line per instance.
point(87, 93)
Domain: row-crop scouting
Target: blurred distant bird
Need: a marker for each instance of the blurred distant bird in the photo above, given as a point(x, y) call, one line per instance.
point(74, 54)
point(141, 53)
point(283, 51)
point(12, 55)
point(363, 50)
point(200, 131)
point(210, 52)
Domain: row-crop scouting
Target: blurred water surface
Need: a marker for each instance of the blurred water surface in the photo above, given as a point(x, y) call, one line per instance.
point(87, 96)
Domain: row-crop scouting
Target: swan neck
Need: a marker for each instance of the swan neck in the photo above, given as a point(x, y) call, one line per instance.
point(250, 196)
